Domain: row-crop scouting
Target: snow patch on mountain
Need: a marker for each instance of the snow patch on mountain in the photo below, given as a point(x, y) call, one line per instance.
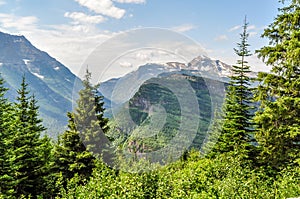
point(38, 75)
point(19, 40)
point(26, 61)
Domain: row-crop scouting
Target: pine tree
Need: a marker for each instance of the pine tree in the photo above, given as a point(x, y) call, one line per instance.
point(71, 155)
point(6, 172)
point(278, 119)
point(237, 127)
point(29, 149)
point(76, 148)
point(89, 117)
point(42, 148)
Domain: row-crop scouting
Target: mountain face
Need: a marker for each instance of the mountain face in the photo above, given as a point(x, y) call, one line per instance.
point(148, 114)
point(205, 66)
point(143, 105)
point(201, 66)
point(163, 107)
point(50, 81)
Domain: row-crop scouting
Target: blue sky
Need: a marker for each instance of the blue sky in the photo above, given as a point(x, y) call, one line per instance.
point(69, 30)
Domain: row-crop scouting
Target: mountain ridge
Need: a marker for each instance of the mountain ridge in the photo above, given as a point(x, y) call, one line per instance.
point(49, 80)
point(53, 83)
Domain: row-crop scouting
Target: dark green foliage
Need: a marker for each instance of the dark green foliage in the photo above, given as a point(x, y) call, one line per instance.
point(6, 172)
point(29, 148)
point(70, 155)
point(74, 153)
point(27, 153)
point(89, 117)
point(235, 135)
point(278, 119)
point(157, 113)
point(208, 147)
point(221, 177)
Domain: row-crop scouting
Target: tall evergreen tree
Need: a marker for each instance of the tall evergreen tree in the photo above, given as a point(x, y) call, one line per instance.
point(278, 119)
point(29, 150)
point(236, 127)
point(85, 136)
point(6, 172)
point(43, 147)
point(89, 117)
point(71, 155)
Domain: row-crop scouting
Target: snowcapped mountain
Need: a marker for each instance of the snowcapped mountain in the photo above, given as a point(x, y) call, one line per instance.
point(48, 79)
point(206, 67)
point(206, 64)
point(201, 66)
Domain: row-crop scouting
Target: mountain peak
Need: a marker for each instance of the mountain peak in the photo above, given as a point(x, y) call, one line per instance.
point(48, 79)
point(176, 65)
point(206, 64)
point(13, 38)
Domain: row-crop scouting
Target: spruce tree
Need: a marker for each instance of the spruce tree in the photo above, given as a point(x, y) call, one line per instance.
point(236, 129)
point(6, 171)
point(71, 155)
point(29, 149)
point(89, 117)
point(42, 144)
point(85, 137)
point(278, 118)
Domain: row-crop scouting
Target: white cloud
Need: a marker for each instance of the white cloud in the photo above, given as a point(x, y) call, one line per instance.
point(257, 64)
point(234, 28)
point(144, 55)
point(104, 7)
point(80, 17)
point(8, 21)
point(252, 34)
point(126, 64)
point(69, 44)
point(184, 28)
point(221, 38)
point(252, 27)
point(2, 2)
point(131, 1)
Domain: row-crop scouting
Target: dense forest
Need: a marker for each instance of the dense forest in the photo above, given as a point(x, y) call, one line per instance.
point(253, 148)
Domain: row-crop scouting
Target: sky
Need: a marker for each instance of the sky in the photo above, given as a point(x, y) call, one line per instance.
point(70, 30)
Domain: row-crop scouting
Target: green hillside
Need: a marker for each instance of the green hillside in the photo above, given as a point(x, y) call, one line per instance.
point(157, 114)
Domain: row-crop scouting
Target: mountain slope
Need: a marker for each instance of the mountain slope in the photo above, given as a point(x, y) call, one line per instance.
point(48, 79)
point(156, 114)
point(201, 66)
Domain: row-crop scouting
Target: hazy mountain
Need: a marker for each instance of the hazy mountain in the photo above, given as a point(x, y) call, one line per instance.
point(201, 66)
point(136, 95)
point(53, 83)
point(166, 105)
point(50, 81)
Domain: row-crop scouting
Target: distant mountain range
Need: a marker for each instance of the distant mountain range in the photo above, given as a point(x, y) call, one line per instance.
point(133, 96)
point(201, 66)
point(53, 83)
